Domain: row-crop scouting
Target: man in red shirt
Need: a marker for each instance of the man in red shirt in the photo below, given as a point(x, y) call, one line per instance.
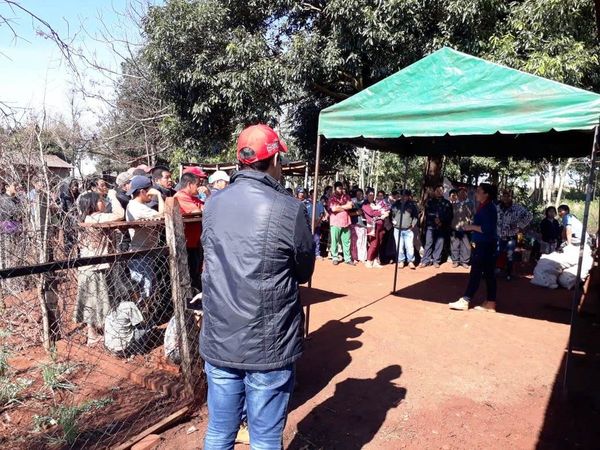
point(190, 203)
point(339, 204)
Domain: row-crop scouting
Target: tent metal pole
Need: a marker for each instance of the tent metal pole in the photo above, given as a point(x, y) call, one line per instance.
point(398, 247)
point(313, 222)
point(577, 290)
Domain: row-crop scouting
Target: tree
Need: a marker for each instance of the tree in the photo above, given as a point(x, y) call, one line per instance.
point(224, 64)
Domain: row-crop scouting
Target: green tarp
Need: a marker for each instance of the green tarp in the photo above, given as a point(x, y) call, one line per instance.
point(451, 102)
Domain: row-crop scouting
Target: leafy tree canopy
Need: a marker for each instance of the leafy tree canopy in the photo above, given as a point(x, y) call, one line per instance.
point(225, 64)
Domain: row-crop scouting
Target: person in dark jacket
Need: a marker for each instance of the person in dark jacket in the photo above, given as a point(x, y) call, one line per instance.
point(253, 320)
point(68, 193)
point(438, 217)
point(405, 218)
point(163, 183)
point(483, 258)
point(550, 230)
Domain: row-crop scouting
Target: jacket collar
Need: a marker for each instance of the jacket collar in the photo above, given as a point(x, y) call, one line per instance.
point(261, 177)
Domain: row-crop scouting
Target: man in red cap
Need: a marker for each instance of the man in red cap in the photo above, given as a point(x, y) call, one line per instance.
point(258, 247)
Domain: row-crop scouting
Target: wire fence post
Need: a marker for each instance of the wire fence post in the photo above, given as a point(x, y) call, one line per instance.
point(46, 298)
point(182, 291)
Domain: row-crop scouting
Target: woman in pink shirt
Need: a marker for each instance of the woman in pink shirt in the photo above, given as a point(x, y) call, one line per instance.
point(374, 215)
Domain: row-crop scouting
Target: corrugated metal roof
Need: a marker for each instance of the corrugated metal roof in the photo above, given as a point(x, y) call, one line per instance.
point(33, 159)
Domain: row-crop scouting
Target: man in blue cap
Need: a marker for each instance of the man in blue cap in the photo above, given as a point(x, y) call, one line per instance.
point(143, 238)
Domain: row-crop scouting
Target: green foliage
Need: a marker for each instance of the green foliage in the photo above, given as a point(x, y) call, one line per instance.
point(556, 39)
point(225, 64)
point(220, 65)
point(10, 390)
point(578, 207)
point(67, 419)
point(54, 374)
point(4, 366)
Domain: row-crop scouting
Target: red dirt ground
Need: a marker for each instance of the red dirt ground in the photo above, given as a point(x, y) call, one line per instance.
point(140, 392)
point(401, 371)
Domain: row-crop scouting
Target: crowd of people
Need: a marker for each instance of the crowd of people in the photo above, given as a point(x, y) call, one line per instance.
point(353, 225)
point(117, 301)
point(254, 246)
point(138, 198)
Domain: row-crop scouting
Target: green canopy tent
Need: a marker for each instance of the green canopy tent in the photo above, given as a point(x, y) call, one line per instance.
point(451, 103)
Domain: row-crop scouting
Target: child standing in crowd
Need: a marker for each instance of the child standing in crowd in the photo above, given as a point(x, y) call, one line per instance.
point(93, 296)
point(550, 230)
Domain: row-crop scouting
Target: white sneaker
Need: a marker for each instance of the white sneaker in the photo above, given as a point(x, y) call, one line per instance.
point(462, 304)
point(369, 264)
point(487, 306)
point(376, 265)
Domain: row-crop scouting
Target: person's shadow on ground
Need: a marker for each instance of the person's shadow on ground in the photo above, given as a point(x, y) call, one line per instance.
point(352, 417)
point(327, 353)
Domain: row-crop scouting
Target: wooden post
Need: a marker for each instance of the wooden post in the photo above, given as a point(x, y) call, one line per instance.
point(41, 225)
point(306, 177)
point(182, 291)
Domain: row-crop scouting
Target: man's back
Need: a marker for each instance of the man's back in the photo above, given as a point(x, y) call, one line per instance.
point(258, 247)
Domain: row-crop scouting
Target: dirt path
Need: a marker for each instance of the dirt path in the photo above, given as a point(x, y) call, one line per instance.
point(399, 371)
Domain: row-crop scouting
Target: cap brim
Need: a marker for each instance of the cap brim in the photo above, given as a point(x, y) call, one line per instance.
point(283, 146)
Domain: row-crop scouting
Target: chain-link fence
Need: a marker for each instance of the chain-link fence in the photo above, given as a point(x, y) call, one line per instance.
point(98, 337)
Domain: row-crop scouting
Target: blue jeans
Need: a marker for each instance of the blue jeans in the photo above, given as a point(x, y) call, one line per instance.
point(317, 240)
point(406, 251)
point(142, 272)
point(434, 244)
point(267, 395)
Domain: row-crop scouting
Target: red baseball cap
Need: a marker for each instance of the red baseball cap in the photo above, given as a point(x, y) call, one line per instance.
point(196, 171)
point(263, 140)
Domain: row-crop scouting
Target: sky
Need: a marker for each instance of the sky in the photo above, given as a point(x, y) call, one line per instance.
point(33, 74)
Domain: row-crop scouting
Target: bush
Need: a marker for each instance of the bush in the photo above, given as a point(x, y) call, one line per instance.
point(577, 208)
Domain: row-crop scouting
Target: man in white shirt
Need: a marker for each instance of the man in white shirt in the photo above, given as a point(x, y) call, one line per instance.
point(143, 238)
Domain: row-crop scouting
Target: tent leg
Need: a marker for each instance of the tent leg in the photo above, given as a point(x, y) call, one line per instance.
point(577, 289)
point(397, 259)
point(313, 221)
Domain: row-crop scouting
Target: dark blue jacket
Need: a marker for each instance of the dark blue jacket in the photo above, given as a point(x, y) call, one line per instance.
point(440, 208)
point(258, 248)
point(487, 218)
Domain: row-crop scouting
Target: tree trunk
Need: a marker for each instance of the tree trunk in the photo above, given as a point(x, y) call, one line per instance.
point(548, 184)
point(561, 181)
point(433, 174)
point(597, 3)
point(495, 177)
point(377, 160)
point(371, 169)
